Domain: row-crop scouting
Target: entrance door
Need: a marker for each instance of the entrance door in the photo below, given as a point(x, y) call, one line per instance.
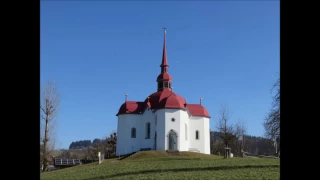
point(172, 140)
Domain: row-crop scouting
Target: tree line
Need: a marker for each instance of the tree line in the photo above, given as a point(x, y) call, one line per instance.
point(87, 150)
point(251, 144)
point(82, 144)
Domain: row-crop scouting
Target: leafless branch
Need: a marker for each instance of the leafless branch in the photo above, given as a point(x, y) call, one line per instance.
point(272, 121)
point(227, 131)
point(48, 109)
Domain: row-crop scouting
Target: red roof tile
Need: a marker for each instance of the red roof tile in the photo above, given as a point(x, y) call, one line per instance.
point(158, 100)
point(198, 110)
point(166, 99)
point(131, 107)
point(164, 76)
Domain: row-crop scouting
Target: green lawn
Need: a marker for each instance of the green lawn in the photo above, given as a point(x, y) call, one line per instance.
point(158, 165)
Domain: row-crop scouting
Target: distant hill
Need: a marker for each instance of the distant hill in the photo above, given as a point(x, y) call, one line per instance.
point(80, 144)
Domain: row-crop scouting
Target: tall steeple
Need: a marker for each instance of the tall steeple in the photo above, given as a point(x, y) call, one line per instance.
point(164, 79)
point(164, 64)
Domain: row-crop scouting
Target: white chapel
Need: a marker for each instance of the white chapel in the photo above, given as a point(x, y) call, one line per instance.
point(163, 121)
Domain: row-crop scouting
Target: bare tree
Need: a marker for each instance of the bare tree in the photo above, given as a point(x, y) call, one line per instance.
point(227, 131)
point(272, 121)
point(112, 144)
point(91, 153)
point(241, 130)
point(216, 147)
point(48, 110)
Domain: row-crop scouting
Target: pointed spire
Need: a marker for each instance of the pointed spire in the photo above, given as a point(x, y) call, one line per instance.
point(164, 79)
point(200, 100)
point(126, 97)
point(164, 53)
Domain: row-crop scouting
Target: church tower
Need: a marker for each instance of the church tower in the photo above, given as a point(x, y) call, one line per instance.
point(164, 79)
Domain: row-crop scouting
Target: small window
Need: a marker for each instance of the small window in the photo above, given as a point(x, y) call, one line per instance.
point(148, 130)
point(133, 132)
point(197, 134)
point(160, 85)
point(166, 84)
point(172, 119)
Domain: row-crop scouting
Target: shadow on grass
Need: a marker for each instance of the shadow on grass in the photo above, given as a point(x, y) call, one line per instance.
point(185, 169)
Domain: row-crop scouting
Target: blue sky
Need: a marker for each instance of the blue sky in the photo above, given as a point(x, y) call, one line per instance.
point(96, 51)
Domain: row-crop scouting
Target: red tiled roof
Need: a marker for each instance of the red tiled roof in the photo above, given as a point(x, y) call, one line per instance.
point(163, 100)
point(158, 100)
point(131, 107)
point(198, 110)
point(166, 99)
point(164, 76)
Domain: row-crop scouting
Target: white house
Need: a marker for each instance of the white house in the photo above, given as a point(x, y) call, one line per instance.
point(163, 121)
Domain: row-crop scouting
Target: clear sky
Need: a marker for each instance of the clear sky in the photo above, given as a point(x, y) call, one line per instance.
point(96, 51)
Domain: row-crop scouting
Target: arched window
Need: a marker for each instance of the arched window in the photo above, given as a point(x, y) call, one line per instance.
point(133, 132)
point(186, 131)
point(197, 134)
point(148, 130)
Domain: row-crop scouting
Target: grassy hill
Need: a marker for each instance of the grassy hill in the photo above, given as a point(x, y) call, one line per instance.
point(158, 165)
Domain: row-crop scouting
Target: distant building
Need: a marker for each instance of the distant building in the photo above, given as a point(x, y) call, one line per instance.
point(163, 121)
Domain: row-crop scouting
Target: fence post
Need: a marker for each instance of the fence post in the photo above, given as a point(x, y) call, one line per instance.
point(99, 157)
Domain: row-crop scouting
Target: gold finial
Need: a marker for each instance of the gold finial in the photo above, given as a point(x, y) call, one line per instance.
point(165, 32)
